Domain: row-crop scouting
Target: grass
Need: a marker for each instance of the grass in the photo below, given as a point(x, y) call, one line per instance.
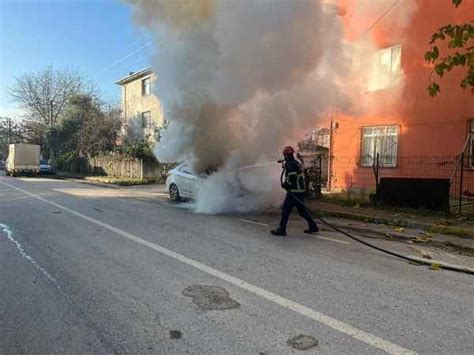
point(347, 198)
point(123, 181)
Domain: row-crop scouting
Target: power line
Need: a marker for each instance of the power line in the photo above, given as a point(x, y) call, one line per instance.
point(123, 58)
point(380, 18)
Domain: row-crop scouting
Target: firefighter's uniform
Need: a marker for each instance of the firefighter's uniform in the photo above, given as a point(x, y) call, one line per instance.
point(295, 187)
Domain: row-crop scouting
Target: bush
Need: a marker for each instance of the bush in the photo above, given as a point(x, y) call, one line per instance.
point(69, 161)
point(140, 149)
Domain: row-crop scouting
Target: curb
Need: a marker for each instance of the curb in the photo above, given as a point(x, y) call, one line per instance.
point(442, 265)
point(466, 233)
point(374, 234)
point(86, 182)
point(434, 264)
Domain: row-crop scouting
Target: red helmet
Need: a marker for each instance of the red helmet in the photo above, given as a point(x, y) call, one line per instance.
point(288, 150)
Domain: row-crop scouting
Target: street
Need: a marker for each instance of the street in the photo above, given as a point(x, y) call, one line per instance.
point(88, 269)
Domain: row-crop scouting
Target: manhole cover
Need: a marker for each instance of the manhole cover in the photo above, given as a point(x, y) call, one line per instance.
point(302, 342)
point(210, 297)
point(175, 334)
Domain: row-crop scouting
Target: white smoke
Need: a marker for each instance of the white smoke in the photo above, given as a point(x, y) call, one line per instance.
point(239, 80)
point(369, 26)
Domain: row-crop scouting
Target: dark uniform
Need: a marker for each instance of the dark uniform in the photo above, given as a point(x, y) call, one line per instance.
point(295, 187)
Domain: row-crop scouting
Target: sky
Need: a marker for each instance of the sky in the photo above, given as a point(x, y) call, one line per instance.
point(94, 37)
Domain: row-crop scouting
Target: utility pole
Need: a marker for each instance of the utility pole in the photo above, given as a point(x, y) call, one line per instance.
point(51, 152)
point(51, 113)
point(9, 130)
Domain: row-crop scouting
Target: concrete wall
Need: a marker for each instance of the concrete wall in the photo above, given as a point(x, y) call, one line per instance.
point(116, 167)
point(120, 167)
point(124, 167)
point(134, 104)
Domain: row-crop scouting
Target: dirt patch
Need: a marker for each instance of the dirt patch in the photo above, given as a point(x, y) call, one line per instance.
point(210, 297)
point(302, 342)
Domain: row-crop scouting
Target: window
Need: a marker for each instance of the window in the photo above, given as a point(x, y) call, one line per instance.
point(386, 68)
point(381, 140)
point(146, 119)
point(146, 88)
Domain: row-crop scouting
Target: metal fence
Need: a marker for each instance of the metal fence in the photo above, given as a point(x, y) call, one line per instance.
point(352, 173)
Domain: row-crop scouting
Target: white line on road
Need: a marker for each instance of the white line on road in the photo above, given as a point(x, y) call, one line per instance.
point(5, 229)
point(333, 323)
point(331, 239)
point(253, 222)
point(314, 236)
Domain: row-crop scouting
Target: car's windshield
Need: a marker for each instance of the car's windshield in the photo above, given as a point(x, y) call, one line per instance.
point(43, 162)
point(185, 169)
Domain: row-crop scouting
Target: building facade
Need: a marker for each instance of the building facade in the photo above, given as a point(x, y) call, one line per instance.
point(398, 125)
point(142, 109)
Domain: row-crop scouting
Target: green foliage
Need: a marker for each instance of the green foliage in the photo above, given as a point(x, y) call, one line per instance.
point(460, 39)
point(85, 128)
point(142, 149)
point(63, 160)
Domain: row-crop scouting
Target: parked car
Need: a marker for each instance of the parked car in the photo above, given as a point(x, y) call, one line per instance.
point(45, 167)
point(182, 183)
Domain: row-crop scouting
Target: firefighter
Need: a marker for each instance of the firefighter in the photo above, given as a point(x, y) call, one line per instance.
point(295, 193)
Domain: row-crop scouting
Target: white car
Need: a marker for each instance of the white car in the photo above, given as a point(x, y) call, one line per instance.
point(182, 183)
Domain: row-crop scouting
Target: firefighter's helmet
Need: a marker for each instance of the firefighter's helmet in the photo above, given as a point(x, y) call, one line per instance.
point(288, 150)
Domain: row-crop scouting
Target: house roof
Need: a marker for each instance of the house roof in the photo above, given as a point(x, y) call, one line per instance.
point(134, 76)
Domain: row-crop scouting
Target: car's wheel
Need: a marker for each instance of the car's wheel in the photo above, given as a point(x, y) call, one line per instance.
point(174, 193)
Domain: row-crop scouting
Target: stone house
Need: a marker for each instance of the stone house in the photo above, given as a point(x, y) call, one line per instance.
point(142, 109)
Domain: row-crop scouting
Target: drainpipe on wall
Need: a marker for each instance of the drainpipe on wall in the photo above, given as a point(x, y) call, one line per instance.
point(125, 115)
point(330, 154)
point(141, 169)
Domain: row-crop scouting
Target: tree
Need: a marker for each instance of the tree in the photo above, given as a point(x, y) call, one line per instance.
point(10, 132)
point(99, 132)
point(86, 127)
point(461, 42)
point(44, 94)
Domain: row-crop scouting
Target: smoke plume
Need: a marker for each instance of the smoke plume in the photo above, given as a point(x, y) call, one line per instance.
point(239, 80)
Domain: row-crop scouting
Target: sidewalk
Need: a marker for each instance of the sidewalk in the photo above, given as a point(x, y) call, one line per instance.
point(435, 223)
point(105, 181)
point(421, 237)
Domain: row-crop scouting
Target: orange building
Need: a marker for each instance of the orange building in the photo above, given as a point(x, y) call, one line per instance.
point(413, 134)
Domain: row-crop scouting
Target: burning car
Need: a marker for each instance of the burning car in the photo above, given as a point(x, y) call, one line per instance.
point(183, 183)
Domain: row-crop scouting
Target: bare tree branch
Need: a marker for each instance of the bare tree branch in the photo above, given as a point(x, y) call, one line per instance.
point(44, 94)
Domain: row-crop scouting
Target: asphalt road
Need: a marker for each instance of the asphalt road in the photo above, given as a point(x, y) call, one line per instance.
point(86, 269)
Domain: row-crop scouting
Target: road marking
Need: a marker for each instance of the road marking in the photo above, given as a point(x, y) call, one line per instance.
point(314, 236)
point(331, 239)
point(253, 222)
point(7, 231)
point(333, 323)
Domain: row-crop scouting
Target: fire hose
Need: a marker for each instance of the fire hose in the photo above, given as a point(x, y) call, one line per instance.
point(370, 245)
